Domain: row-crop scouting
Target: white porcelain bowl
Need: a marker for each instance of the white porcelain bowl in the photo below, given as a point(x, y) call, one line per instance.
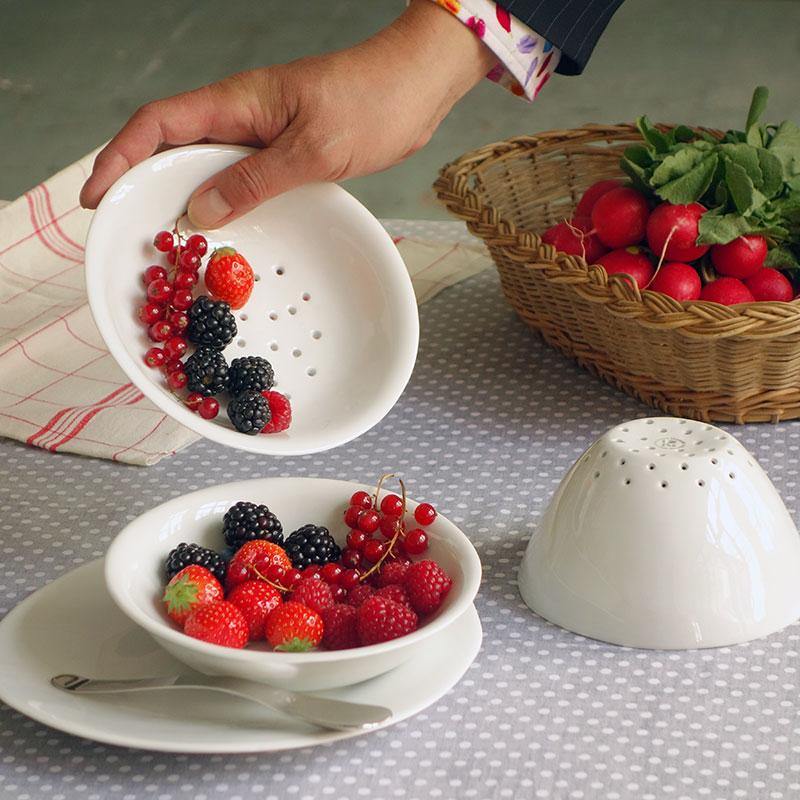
point(333, 308)
point(665, 534)
point(135, 578)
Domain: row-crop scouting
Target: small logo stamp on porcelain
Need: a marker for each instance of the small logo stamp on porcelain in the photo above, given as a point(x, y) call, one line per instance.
point(670, 443)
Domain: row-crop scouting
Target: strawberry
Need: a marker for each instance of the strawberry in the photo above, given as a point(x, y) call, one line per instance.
point(220, 623)
point(394, 592)
point(393, 572)
point(281, 410)
point(359, 594)
point(340, 631)
point(253, 559)
point(426, 584)
point(229, 277)
point(188, 589)
point(380, 620)
point(255, 599)
point(313, 593)
point(294, 628)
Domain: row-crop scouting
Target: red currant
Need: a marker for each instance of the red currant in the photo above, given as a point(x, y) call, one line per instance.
point(348, 579)
point(189, 261)
point(368, 521)
point(175, 347)
point(425, 514)
point(159, 291)
point(160, 331)
point(150, 313)
point(185, 279)
point(275, 573)
point(339, 594)
point(389, 526)
point(361, 499)
point(173, 366)
point(209, 408)
point(193, 400)
point(356, 539)
point(373, 550)
point(176, 380)
point(197, 243)
point(153, 273)
point(351, 558)
point(173, 256)
point(331, 572)
point(351, 516)
point(154, 357)
point(182, 300)
point(312, 571)
point(179, 320)
point(163, 241)
point(416, 542)
point(392, 505)
point(292, 578)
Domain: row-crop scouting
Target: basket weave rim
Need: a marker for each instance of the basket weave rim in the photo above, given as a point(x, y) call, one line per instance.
point(699, 318)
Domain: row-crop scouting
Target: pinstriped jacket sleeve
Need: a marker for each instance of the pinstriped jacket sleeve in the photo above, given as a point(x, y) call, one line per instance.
point(573, 26)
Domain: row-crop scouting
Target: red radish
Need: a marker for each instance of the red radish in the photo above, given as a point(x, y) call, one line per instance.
point(593, 194)
point(683, 242)
point(630, 261)
point(741, 258)
point(727, 292)
point(677, 280)
point(566, 240)
point(620, 216)
point(769, 284)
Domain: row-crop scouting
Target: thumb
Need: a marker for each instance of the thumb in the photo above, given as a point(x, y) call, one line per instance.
point(246, 184)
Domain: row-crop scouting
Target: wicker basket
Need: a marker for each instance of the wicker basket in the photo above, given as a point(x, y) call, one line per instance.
point(698, 360)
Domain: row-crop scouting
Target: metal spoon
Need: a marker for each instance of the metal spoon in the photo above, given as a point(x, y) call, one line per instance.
point(338, 715)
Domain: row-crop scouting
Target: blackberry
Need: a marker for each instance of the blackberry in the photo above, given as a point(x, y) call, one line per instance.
point(244, 522)
point(210, 323)
point(250, 372)
point(185, 554)
point(207, 371)
point(249, 412)
point(311, 545)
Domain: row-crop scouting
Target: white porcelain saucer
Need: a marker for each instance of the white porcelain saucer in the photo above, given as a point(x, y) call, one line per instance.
point(73, 625)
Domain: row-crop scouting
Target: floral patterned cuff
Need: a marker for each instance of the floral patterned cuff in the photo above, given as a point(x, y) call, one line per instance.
point(526, 59)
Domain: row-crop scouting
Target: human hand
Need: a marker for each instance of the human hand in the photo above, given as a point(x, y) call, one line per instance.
point(324, 118)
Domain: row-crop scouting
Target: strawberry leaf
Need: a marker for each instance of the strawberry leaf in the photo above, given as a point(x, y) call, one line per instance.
point(295, 645)
point(181, 595)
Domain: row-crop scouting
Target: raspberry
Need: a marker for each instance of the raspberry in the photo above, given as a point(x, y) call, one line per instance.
point(394, 592)
point(359, 594)
point(340, 627)
point(427, 584)
point(381, 620)
point(393, 572)
point(281, 410)
point(255, 599)
point(314, 594)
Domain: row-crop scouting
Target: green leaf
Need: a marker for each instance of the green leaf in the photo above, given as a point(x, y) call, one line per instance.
point(781, 257)
point(747, 158)
point(720, 194)
point(785, 145)
point(754, 137)
point(707, 137)
point(637, 174)
point(652, 135)
point(757, 106)
point(181, 595)
point(745, 196)
point(691, 186)
point(678, 163)
point(639, 155)
point(771, 172)
point(295, 645)
point(683, 133)
point(715, 228)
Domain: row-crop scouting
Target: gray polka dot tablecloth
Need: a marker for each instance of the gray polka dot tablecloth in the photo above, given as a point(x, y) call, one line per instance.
point(491, 421)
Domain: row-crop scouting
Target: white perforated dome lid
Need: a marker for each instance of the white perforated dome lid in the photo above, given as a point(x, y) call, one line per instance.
point(666, 534)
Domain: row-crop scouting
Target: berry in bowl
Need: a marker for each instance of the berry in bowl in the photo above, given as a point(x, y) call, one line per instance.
point(306, 584)
point(260, 327)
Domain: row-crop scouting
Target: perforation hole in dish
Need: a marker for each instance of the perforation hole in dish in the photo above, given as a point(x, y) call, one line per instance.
point(701, 483)
point(604, 454)
point(316, 334)
point(651, 467)
point(684, 467)
point(291, 309)
point(273, 345)
point(279, 270)
point(664, 484)
point(732, 476)
point(273, 315)
point(297, 352)
point(715, 461)
point(256, 276)
point(243, 317)
point(311, 372)
point(597, 474)
point(627, 481)
point(306, 297)
point(241, 343)
point(622, 462)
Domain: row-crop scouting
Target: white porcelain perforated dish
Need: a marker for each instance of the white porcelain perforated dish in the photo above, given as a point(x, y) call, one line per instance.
point(333, 308)
point(666, 533)
point(135, 579)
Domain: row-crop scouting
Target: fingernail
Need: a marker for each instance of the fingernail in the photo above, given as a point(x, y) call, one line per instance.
point(209, 209)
